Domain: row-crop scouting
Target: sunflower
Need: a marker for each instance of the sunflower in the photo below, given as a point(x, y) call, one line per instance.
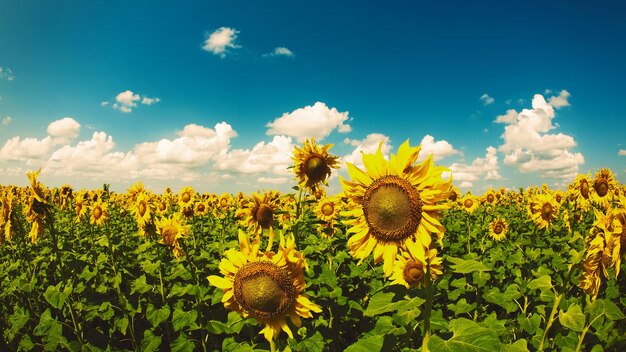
point(544, 210)
point(498, 229)
point(259, 212)
point(469, 203)
point(186, 198)
point(313, 165)
point(590, 280)
point(610, 228)
point(581, 191)
point(201, 208)
point(328, 208)
point(604, 186)
point(99, 213)
point(171, 230)
point(267, 286)
point(397, 204)
point(411, 271)
point(489, 197)
point(142, 209)
point(6, 212)
point(66, 196)
point(81, 206)
point(37, 210)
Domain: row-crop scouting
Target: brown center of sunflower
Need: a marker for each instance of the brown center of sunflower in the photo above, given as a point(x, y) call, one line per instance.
point(452, 196)
point(315, 168)
point(546, 211)
point(328, 209)
point(584, 188)
point(142, 208)
point(468, 203)
point(264, 215)
point(223, 202)
point(602, 187)
point(97, 212)
point(39, 207)
point(263, 289)
point(162, 206)
point(169, 235)
point(498, 229)
point(201, 207)
point(558, 197)
point(490, 198)
point(413, 272)
point(392, 208)
point(79, 207)
point(186, 197)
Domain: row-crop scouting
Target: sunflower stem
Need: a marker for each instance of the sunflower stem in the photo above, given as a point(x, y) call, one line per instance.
point(427, 309)
point(550, 320)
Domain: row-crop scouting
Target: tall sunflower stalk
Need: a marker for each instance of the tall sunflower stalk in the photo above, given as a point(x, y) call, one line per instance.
point(397, 205)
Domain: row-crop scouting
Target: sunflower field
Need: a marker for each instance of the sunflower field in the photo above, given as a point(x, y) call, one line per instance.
point(400, 260)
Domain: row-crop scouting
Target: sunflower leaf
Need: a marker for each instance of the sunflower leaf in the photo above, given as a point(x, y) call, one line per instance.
point(367, 344)
point(573, 319)
point(462, 266)
point(467, 336)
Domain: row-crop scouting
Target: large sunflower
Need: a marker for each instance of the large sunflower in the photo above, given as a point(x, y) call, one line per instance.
point(604, 186)
point(544, 210)
point(398, 204)
point(411, 271)
point(498, 229)
point(313, 164)
point(267, 286)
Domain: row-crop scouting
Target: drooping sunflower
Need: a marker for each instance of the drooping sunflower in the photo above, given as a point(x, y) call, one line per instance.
point(6, 219)
point(410, 271)
point(469, 203)
point(398, 204)
point(498, 229)
point(313, 165)
point(98, 213)
point(544, 210)
point(267, 286)
point(610, 228)
point(604, 185)
point(172, 229)
point(590, 281)
point(37, 210)
point(65, 194)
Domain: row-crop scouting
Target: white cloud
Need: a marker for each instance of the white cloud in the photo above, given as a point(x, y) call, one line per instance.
point(104, 103)
point(561, 100)
point(272, 180)
point(126, 100)
point(6, 72)
point(64, 130)
point(7, 120)
point(486, 168)
point(280, 51)
point(486, 99)
point(316, 121)
point(24, 149)
point(273, 157)
point(150, 101)
point(622, 152)
point(530, 147)
point(221, 40)
point(439, 149)
point(369, 145)
point(509, 117)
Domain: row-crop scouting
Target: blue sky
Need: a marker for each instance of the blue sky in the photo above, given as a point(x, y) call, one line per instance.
point(215, 94)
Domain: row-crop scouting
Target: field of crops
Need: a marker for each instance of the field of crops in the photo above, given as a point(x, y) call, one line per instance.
point(399, 261)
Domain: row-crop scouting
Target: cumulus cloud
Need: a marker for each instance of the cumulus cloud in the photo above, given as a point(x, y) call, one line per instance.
point(368, 145)
point(7, 120)
point(509, 117)
point(272, 180)
point(560, 100)
point(64, 130)
point(280, 51)
point(622, 152)
point(486, 168)
point(530, 147)
point(439, 149)
point(221, 40)
point(126, 101)
point(486, 99)
point(273, 157)
point(316, 121)
point(21, 149)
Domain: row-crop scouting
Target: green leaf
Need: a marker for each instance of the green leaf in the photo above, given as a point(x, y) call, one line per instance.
point(461, 307)
point(382, 302)
point(542, 283)
point(217, 327)
point(121, 324)
point(467, 336)
point(150, 342)
point(462, 266)
point(157, 316)
point(55, 297)
point(140, 285)
point(367, 344)
point(313, 343)
point(573, 319)
point(18, 319)
point(182, 344)
point(26, 344)
point(50, 330)
point(182, 319)
point(518, 346)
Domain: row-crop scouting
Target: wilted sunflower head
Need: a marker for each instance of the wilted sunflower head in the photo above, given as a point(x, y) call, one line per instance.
point(397, 204)
point(313, 164)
